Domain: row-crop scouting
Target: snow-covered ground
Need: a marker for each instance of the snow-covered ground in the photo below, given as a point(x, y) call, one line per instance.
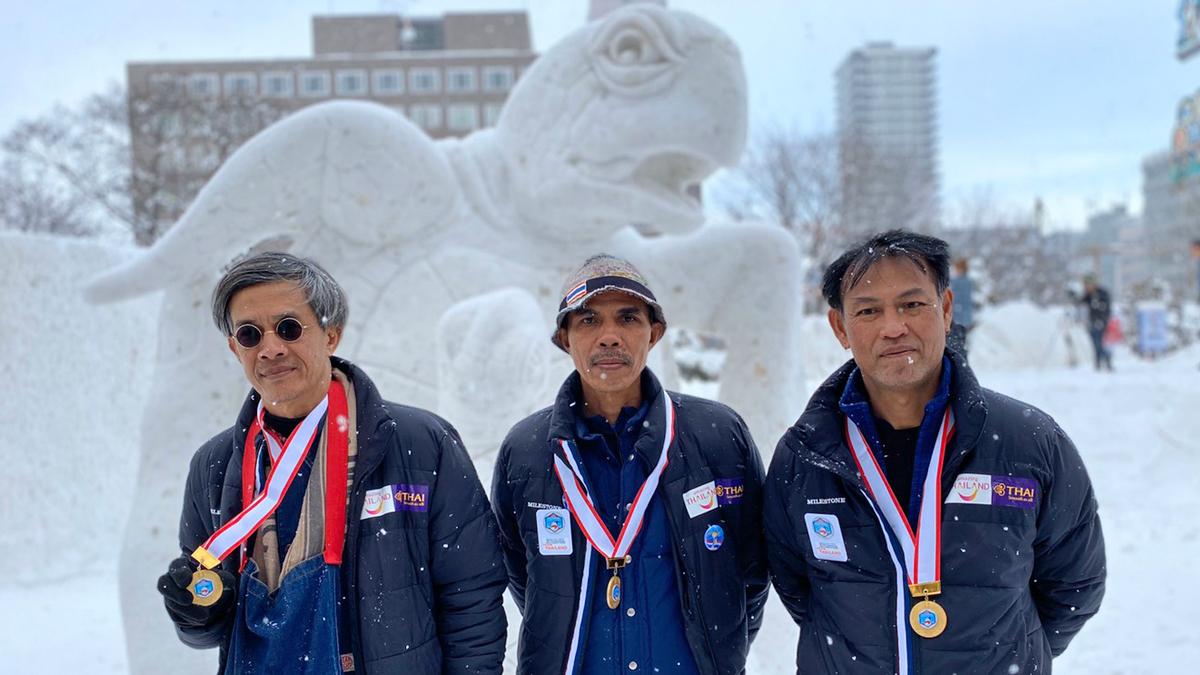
point(69, 430)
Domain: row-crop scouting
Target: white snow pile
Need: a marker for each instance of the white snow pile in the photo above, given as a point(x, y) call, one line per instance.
point(76, 379)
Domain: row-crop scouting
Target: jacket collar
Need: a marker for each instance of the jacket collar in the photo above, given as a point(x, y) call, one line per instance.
point(371, 412)
point(818, 436)
point(854, 404)
point(569, 401)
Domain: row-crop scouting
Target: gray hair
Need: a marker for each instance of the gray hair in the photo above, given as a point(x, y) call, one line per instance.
point(324, 295)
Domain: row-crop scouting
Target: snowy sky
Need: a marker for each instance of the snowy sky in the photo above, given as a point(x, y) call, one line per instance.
point(1055, 99)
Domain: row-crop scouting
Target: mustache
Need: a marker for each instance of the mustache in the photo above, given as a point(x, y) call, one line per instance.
point(610, 355)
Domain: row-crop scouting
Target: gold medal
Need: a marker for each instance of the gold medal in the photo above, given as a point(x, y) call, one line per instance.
point(206, 587)
point(927, 618)
point(614, 592)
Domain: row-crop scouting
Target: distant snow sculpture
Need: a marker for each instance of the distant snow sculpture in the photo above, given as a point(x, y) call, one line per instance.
point(453, 252)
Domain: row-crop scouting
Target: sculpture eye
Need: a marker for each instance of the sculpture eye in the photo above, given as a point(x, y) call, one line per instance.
point(631, 47)
point(638, 51)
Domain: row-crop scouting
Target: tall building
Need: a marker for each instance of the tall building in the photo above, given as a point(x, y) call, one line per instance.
point(1117, 251)
point(1169, 208)
point(450, 75)
point(888, 137)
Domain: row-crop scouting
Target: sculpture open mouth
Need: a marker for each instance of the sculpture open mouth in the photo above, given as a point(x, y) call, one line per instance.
point(674, 178)
point(658, 191)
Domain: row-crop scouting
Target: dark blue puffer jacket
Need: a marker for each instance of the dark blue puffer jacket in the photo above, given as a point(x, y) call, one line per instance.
point(1018, 581)
point(426, 598)
point(722, 592)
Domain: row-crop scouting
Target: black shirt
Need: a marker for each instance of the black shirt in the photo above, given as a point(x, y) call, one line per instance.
point(899, 447)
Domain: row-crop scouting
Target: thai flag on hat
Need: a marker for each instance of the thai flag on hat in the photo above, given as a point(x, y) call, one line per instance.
point(575, 293)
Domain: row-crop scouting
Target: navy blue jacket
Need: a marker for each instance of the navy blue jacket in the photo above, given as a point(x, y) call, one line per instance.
point(721, 592)
point(425, 598)
point(1019, 581)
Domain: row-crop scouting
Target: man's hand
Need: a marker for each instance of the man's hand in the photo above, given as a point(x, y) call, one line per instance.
point(174, 587)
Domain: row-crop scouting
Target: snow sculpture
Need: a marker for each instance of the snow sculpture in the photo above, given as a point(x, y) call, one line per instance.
point(453, 252)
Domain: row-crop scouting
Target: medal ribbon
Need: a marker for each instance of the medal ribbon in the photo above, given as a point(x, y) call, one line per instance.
point(584, 510)
point(287, 460)
point(922, 550)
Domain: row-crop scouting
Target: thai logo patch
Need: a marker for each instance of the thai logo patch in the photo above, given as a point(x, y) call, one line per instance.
point(979, 488)
point(729, 490)
point(701, 500)
point(393, 498)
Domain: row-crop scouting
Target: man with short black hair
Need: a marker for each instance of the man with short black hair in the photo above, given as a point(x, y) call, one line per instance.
point(917, 523)
point(329, 530)
point(630, 516)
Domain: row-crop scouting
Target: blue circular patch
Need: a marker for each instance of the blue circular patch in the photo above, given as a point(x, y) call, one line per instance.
point(714, 536)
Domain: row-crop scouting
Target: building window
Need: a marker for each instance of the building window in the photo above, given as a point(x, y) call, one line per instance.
point(460, 79)
point(240, 84)
point(424, 80)
point(426, 116)
point(168, 124)
point(388, 82)
point(491, 113)
point(314, 85)
point(462, 117)
point(497, 78)
point(279, 85)
point(166, 83)
point(352, 83)
point(204, 84)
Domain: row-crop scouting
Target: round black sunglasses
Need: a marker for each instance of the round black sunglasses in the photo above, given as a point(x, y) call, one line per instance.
point(248, 335)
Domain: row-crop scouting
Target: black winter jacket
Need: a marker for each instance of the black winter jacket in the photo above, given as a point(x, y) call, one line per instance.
point(722, 591)
point(426, 598)
point(1018, 583)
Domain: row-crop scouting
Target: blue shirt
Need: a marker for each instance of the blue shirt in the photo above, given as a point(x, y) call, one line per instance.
point(647, 627)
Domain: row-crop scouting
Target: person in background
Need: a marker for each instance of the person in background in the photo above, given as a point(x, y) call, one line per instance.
point(962, 287)
point(1195, 249)
point(329, 530)
point(630, 516)
point(1099, 311)
point(916, 522)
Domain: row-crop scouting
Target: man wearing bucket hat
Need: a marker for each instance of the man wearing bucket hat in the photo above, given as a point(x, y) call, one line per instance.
point(630, 516)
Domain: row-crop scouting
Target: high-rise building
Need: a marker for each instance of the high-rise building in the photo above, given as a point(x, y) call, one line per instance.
point(449, 74)
point(1169, 208)
point(888, 137)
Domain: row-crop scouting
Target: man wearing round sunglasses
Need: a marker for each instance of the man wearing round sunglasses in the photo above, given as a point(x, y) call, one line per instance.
point(329, 530)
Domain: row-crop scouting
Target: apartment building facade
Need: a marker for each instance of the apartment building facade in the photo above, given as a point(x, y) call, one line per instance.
point(450, 75)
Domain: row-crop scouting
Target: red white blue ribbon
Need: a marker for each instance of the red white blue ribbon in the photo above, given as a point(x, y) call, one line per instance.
point(288, 458)
point(581, 506)
point(922, 548)
point(584, 512)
